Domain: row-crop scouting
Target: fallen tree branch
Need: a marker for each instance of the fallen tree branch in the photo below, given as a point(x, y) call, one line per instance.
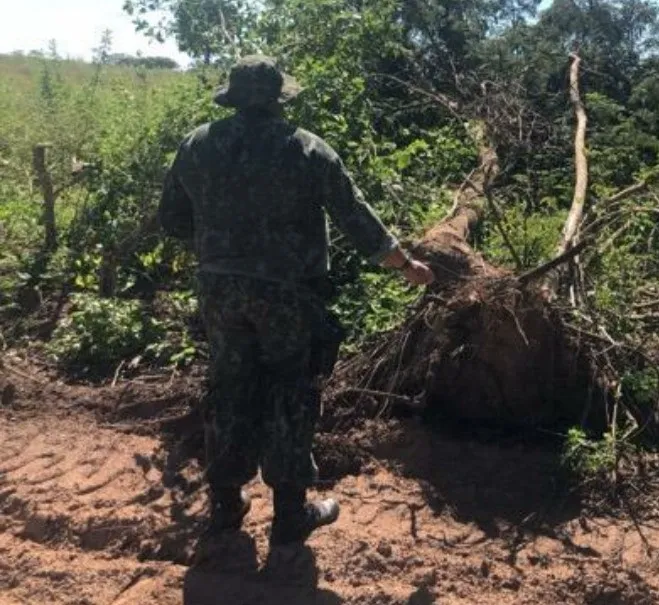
point(439, 98)
point(646, 305)
point(407, 401)
point(498, 221)
point(642, 186)
point(456, 198)
point(118, 372)
point(644, 316)
point(542, 270)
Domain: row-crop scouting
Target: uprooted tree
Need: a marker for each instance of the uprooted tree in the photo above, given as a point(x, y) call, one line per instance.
point(486, 344)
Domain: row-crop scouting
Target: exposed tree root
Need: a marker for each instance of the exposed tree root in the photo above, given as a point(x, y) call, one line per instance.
point(484, 344)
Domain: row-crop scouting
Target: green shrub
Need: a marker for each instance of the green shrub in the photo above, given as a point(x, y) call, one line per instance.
point(375, 302)
point(177, 347)
point(642, 387)
point(98, 332)
point(589, 457)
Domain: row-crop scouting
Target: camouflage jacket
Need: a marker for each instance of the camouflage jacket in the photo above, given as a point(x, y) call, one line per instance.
point(251, 191)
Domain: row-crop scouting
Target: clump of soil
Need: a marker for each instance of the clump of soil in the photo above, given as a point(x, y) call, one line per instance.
point(480, 346)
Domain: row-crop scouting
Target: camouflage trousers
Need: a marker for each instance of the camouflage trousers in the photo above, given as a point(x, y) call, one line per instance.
point(263, 397)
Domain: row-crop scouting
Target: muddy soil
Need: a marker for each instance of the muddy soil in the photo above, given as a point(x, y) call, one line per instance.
point(99, 507)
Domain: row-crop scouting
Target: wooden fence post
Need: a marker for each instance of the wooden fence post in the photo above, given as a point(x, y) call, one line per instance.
point(45, 181)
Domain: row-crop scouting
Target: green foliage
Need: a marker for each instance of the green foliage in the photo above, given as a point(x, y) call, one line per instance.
point(588, 457)
point(204, 29)
point(98, 332)
point(621, 147)
point(177, 347)
point(532, 235)
point(626, 265)
point(145, 62)
point(125, 125)
point(373, 303)
point(641, 389)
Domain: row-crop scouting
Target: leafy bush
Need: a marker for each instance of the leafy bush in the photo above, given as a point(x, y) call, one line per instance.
point(588, 457)
point(533, 236)
point(102, 332)
point(374, 302)
point(178, 346)
point(640, 389)
point(98, 332)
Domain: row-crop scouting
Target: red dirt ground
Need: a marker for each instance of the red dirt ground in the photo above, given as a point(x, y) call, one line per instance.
point(97, 507)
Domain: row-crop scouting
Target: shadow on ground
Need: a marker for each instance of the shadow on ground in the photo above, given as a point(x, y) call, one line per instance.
point(510, 487)
point(226, 572)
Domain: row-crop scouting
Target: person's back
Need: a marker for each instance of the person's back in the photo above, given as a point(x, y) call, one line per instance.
point(252, 192)
point(259, 188)
point(256, 183)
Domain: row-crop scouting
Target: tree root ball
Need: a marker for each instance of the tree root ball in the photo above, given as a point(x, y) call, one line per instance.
point(478, 347)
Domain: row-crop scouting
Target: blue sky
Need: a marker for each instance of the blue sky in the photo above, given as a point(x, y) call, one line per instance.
point(77, 26)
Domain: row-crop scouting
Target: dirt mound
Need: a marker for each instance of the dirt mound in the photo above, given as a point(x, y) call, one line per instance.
point(481, 345)
point(95, 512)
point(485, 351)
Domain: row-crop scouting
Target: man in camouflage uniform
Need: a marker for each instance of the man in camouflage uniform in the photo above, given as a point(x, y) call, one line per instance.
point(251, 191)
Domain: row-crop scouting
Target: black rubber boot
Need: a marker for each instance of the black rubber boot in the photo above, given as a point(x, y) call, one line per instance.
point(230, 505)
point(296, 519)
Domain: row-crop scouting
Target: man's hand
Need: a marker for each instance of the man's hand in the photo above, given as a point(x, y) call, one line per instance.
point(418, 274)
point(414, 271)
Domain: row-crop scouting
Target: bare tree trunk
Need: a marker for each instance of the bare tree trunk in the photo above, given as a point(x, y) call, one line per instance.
point(107, 274)
point(445, 246)
point(46, 185)
point(571, 229)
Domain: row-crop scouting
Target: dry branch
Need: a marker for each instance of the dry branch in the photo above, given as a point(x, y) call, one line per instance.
point(570, 231)
point(610, 204)
point(403, 400)
point(640, 187)
point(439, 98)
point(542, 270)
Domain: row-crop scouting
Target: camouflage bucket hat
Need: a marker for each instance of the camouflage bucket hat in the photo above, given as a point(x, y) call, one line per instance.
point(257, 80)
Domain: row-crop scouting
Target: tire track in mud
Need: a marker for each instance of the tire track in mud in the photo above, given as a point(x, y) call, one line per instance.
point(93, 516)
point(72, 525)
point(79, 485)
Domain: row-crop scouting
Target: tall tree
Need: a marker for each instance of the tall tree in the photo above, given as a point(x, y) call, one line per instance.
point(209, 30)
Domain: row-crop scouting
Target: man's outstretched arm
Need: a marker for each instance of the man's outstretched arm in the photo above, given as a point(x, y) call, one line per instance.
point(346, 206)
point(413, 271)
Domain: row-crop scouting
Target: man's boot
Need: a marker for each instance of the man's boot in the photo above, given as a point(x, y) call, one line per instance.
point(296, 519)
point(229, 505)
